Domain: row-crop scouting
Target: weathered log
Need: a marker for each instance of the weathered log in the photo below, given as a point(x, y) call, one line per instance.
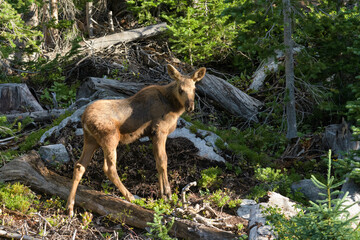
point(126, 36)
point(270, 65)
point(17, 97)
point(229, 97)
point(30, 170)
point(223, 93)
point(38, 116)
point(109, 87)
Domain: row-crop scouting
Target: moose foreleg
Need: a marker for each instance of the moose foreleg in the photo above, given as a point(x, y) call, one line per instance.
point(159, 143)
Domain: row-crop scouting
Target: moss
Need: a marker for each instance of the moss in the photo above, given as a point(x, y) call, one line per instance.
point(16, 197)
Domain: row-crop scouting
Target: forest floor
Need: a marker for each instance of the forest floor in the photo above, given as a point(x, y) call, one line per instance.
point(136, 164)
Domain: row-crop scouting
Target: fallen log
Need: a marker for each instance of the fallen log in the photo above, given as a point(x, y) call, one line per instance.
point(30, 170)
point(229, 97)
point(126, 36)
point(37, 116)
point(223, 93)
point(109, 87)
point(270, 65)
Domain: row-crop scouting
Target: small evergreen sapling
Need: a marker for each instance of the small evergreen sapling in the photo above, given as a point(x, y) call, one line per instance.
point(326, 219)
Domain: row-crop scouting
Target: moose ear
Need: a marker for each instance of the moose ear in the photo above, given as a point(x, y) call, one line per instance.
point(199, 74)
point(173, 73)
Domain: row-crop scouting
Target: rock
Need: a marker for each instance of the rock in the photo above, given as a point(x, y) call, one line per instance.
point(309, 189)
point(54, 154)
point(245, 208)
point(79, 132)
point(286, 206)
point(74, 118)
point(205, 150)
point(257, 223)
point(353, 198)
point(16, 97)
point(258, 229)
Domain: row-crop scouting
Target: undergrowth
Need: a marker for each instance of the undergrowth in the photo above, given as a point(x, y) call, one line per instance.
point(17, 197)
point(325, 219)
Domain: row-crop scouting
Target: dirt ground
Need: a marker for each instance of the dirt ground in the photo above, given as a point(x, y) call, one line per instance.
point(136, 168)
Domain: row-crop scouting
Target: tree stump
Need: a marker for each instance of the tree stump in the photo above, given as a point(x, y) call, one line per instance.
point(15, 97)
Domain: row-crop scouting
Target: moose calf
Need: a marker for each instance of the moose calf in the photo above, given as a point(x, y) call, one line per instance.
point(152, 112)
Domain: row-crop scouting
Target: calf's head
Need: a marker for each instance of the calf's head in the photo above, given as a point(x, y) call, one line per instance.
point(185, 85)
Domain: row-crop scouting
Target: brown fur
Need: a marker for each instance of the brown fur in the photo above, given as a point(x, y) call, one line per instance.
point(153, 112)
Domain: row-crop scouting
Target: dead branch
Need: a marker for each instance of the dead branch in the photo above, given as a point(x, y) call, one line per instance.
point(37, 116)
point(12, 235)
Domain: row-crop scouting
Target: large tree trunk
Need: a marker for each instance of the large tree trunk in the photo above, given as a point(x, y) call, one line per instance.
point(30, 170)
point(289, 72)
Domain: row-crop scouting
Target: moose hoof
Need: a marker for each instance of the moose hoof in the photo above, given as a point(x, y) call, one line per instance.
point(71, 212)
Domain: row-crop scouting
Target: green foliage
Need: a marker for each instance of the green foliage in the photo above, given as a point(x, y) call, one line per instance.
point(275, 180)
point(201, 34)
point(259, 30)
point(17, 197)
point(64, 95)
point(222, 199)
point(150, 11)
point(12, 128)
point(210, 178)
point(158, 228)
point(326, 219)
point(353, 107)
point(86, 219)
point(349, 166)
point(13, 30)
point(34, 137)
point(164, 206)
point(198, 32)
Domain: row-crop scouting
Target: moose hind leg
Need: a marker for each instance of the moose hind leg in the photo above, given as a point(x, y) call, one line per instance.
point(111, 173)
point(79, 170)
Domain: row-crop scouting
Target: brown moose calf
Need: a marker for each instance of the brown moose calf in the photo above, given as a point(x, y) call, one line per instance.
point(153, 112)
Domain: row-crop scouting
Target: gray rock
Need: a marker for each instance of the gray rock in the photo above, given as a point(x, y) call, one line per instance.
point(79, 132)
point(205, 150)
point(277, 200)
point(54, 154)
point(353, 198)
point(74, 118)
point(245, 208)
point(309, 189)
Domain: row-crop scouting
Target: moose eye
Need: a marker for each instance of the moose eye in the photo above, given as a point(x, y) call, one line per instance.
point(181, 91)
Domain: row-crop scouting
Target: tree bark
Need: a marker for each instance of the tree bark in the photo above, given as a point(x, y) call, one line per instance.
point(223, 93)
point(30, 170)
point(54, 14)
point(289, 72)
point(17, 97)
point(89, 24)
point(110, 87)
point(229, 97)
